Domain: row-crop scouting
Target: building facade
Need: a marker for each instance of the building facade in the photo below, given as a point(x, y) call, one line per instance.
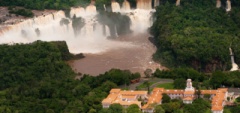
point(126, 98)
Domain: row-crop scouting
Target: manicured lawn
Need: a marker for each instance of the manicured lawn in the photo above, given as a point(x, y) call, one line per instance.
point(166, 86)
point(145, 86)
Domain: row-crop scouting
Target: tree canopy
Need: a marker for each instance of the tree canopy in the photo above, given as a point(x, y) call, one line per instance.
point(35, 78)
point(196, 34)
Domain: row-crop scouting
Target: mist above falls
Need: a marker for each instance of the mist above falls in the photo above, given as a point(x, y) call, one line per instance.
point(86, 30)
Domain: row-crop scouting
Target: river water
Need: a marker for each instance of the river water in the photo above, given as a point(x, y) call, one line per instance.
point(137, 57)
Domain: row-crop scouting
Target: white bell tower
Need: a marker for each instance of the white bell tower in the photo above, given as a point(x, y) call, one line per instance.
point(189, 85)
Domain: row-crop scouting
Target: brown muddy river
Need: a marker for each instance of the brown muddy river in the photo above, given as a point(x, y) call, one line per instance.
point(136, 58)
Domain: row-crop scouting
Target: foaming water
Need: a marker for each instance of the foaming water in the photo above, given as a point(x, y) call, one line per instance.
point(141, 20)
point(79, 11)
point(144, 4)
point(115, 6)
point(132, 51)
point(126, 6)
point(91, 38)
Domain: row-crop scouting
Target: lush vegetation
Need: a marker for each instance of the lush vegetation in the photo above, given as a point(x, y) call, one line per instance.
point(197, 34)
point(166, 85)
point(21, 11)
point(145, 85)
point(200, 80)
point(232, 109)
point(45, 4)
point(117, 108)
point(35, 78)
point(176, 106)
point(199, 105)
point(178, 73)
point(59, 4)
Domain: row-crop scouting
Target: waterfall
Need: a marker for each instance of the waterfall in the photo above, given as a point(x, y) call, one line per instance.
point(177, 2)
point(4, 29)
point(228, 5)
point(92, 37)
point(234, 65)
point(218, 3)
point(79, 11)
point(89, 27)
point(156, 3)
point(126, 6)
point(140, 16)
point(144, 4)
point(115, 6)
point(91, 9)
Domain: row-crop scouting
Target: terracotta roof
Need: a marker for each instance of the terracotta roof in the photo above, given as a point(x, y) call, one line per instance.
point(208, 92)
point(188, 98)
point(133, 92)
point(158, 89)
point(155, 97)
point(189, 92)
point(173, 91)
point(117, 96)
point(129, 97)
point(217, 101)
point(115, 90)
point(217, 108)
point(127, 103)
point(223, 89)
point(110, 98)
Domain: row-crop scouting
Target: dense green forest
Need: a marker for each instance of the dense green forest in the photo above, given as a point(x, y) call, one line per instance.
point(36, 79)
point(45, 4)
point(23, 12)
point(197, 34)
point(58, 4)
point(202, 80)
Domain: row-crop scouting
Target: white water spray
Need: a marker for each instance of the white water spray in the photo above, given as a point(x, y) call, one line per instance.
point(126, 6)
point(115, 6)
point(92, 38)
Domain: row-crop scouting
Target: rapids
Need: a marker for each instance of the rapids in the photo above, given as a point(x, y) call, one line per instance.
point(93, 37)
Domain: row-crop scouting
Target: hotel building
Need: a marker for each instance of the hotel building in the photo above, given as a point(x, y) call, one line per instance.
point(126, 98)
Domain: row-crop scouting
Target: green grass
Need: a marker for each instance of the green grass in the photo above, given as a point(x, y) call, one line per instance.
point(145, 86)
point(166, 86)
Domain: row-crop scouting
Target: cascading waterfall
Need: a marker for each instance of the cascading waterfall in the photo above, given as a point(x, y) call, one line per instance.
point(92, 37)
point(177, 2)
point(126, 6)
point(144, 4)
point(91, 9)
point(115, 6)
point(234, 65)
point(156, 3)
point(77, 12)
point(218, 3)
point(228, 6)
